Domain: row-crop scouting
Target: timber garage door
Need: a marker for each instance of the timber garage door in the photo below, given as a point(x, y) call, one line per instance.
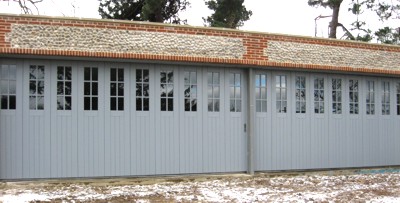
point(84, 119)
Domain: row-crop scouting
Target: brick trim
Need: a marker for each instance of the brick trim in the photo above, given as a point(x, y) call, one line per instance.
point(254, 42)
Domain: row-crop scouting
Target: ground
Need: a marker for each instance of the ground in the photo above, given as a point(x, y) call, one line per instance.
point(328, 186)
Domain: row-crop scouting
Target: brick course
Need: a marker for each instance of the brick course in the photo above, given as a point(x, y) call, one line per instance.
point(206, 45)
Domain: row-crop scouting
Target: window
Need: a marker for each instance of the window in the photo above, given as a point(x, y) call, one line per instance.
point(167, 90)
point(190, 91)
point(213, 91)
point(370, 101)
point(142, 90)
point(281, 94)
point(398, 97)
point(261, 93)
point(353, 96)
point(64, 87)
point(300, 94)
point(235, 95)
point(91, 88)
point(385, 98)
point(36, 87)
point(117, 89)
point(319, 96)
point(8, 86)
point(336, 96)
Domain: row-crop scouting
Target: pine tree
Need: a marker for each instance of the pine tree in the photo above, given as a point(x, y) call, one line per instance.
point(227, 13)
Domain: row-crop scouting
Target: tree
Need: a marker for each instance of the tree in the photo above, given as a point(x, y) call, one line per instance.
point(24, 5)
point(383, 9)
point(143, 10)
point(227, 13)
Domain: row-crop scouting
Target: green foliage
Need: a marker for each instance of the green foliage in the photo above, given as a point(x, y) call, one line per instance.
point(388, 35)
point(325, 3)
point(227, 13)
point(143, 10)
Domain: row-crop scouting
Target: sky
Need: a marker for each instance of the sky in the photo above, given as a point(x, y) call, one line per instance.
point(292, 17)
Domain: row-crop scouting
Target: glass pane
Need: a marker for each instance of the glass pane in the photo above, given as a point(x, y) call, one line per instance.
point(120, 89)
point(216, 105)
point(60, 73)
point(263, 80)
point(120, 74)
point(264, 106)
point(95, 103)
point(187, 104)
point(68, 103)
point(193, 92)
point(170, 77)
point(298, 82)
point(4, 72)
point(258, 93)
point(302, 94)
point(13, 72)
point(186, 76)
point(32, 87)
point(194, 104)
point(232, 92)
point(209, 78)
point(86, 75)
point(113, 89)
point(68, 88)
point(163, 90)
point(297, 107)
point(237, 80)
point(170, 104)
point(298, 95)
point(193, 78)
point(32, 102)
point(86, 103)
point(4, 102)
point(68, 73)
point(95, 88)
point(60, 103)
point(139, 87)
point(216, 78)
point(278, 93)
point(113, 72)
point(120, 104)
point(303, 107)
point(163, 104)
point(232, 105)
point(145, 75)
point(258, 106)
point(231, 79)
point(138, 104)
point(258, 80)
point(113, 103)
point(60, 88)
point(146, 104)
point(210, 91)
point(284, 95)
point(278, 81)
point(321, 107)
point(32, 72)
point(4, 87)
point(284, 107)
point(146, 90)
point(238, 93)
point(210, 105)
point(283, 81)
point(40, 72)
point(186, 92)
point(40, 103)
point(12, 102)
point(40, 88)
point(86, 88)
point(139, 76)
point(170, 90)
point(95, 74)
point(238, 105)
point(163, 77)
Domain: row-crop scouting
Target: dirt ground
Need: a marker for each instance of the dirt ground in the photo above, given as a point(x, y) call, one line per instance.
point(354, 186)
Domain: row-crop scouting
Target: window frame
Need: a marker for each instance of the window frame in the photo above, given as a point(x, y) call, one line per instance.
point(168, 98)
point(355, 96)
point(192, 94)
point(262, 100)
point(319, 91)
point(370, 93)
point(341, 90)
point(398, 98)
point(237, 88)
point(117, 83)
point(298, 99)
point(385, 102)
point(91, 82)
point(280, 87)
point(142, 97)
point(63, 81)
point(37, 81)
point(8, 94)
